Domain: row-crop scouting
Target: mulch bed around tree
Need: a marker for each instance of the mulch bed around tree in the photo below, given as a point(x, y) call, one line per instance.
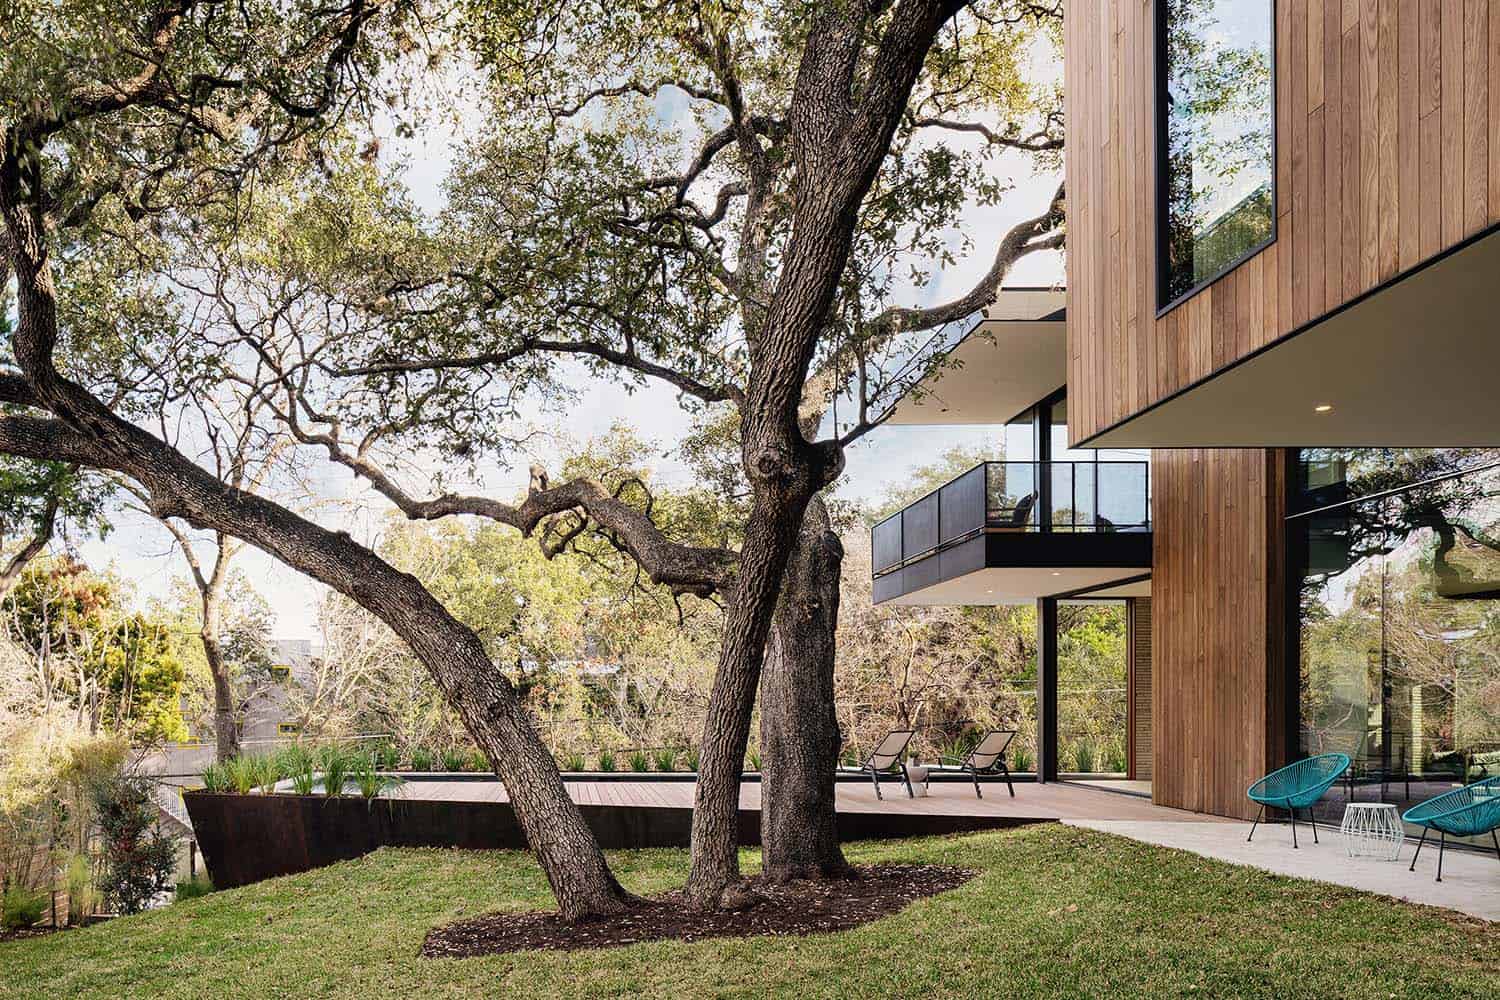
point(795, 909)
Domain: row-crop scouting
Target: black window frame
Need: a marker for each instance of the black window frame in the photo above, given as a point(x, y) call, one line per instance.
point(1158, 119)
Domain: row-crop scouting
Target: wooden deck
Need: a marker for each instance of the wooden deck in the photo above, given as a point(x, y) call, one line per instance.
point(1052, 801)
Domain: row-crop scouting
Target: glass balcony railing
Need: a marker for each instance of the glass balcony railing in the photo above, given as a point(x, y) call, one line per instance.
point(1017, 497)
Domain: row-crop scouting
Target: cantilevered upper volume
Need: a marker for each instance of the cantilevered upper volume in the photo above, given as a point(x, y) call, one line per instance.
point(1010, 532)
point(1409, 364)
point(1003, 362)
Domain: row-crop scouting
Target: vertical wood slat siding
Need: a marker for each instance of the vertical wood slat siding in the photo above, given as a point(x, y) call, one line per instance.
point(1141, 729)
point(1388, 132)
point(1218, 671)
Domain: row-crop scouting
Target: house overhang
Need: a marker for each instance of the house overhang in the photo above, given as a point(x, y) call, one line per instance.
point(1016, 356)
point(1018, 567)
point(1412, 363)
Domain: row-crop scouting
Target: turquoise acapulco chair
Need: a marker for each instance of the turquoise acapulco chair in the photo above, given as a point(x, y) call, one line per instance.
point(1470, 811)
point(1297, 786)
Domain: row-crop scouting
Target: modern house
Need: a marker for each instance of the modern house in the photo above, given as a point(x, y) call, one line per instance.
point(1283, 256)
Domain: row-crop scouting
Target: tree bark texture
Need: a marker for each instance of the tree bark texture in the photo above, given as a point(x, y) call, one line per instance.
point(226, 727)
point(800, 738)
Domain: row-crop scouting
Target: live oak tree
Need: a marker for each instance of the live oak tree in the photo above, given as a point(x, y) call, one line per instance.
point(124, 123)
point(728, 199)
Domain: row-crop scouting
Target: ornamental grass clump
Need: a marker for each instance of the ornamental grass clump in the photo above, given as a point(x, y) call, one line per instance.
point(217, 778)
point(305, 780)
point(421, 759)
point(690, 757)
point(666, 759)
point(640, 760)
point(573, 762)
point(1085, 758)
point(606, 760)
point(335, 766)
point(451, 759)
point(371, 781)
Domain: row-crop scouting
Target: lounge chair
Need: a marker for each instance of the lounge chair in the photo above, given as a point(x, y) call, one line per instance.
point(1297, 786)
point(888, 758)
point(987, 758)
point(1470, 811)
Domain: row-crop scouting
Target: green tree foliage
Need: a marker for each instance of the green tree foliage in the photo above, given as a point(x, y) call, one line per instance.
point(116, 668)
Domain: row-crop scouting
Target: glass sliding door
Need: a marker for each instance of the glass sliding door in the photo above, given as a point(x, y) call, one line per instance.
point(1397, 590)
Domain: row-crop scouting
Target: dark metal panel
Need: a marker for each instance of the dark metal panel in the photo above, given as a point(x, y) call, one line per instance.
point(961, 505)
point(885, 543)
point(921, 574)
point(889, 586)
point(919, 527)
point(964, 558)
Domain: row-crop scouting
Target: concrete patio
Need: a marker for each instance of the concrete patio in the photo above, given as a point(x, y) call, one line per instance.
point(1471, 880)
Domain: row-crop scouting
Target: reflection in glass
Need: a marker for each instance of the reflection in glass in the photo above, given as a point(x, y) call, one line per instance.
point(1400, 637)
point(1216, 127)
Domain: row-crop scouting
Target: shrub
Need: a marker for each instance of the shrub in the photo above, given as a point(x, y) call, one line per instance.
point(21, 907)
point(139, 859)
point(452, 759)
point(606, 760)
point(640, 760)
point(193, 888)
point(666, 759)
point(573, 762)
point(690, 757)
point(478, 762)
point(421, 759)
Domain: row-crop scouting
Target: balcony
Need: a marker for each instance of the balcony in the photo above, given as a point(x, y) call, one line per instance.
point(1007, 532)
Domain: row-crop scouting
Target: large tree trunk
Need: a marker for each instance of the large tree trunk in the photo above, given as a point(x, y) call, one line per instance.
point(769, 539)
point(799, 740)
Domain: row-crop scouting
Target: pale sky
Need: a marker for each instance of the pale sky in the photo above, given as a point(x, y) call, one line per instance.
point(139, 549)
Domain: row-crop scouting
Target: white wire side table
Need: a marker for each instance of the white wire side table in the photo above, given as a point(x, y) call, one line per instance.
point(1372, 830)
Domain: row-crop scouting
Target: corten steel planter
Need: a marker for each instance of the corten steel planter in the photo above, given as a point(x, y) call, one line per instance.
point(246, 838)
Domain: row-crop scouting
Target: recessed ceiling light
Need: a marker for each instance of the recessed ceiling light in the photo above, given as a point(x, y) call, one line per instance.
point(1057, 572)
point(1323, 408)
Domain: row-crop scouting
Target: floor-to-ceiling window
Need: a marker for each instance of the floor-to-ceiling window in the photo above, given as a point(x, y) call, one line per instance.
point(1395, 563)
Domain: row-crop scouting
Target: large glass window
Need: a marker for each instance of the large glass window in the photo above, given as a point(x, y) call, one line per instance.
point(1216, 138)
point(1399, 622)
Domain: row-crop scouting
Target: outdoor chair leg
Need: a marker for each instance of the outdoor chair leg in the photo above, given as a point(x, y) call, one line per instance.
point(1007, 779)
point(907, 778)
point(974, 773)
point(1442, 843)
point(1259, 813)
point(1294, 829)
point(875, 777)
point(1418, 852)
point(1314, 821)
point(1497, 843)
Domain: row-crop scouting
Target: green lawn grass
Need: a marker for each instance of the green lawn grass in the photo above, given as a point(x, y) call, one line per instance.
point(1057, 912)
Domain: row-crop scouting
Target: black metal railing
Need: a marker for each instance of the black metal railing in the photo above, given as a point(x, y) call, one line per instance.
point(1020, 497)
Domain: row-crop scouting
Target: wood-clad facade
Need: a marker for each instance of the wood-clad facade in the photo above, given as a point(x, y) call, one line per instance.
point(1387, 153)
point(1219, 673)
